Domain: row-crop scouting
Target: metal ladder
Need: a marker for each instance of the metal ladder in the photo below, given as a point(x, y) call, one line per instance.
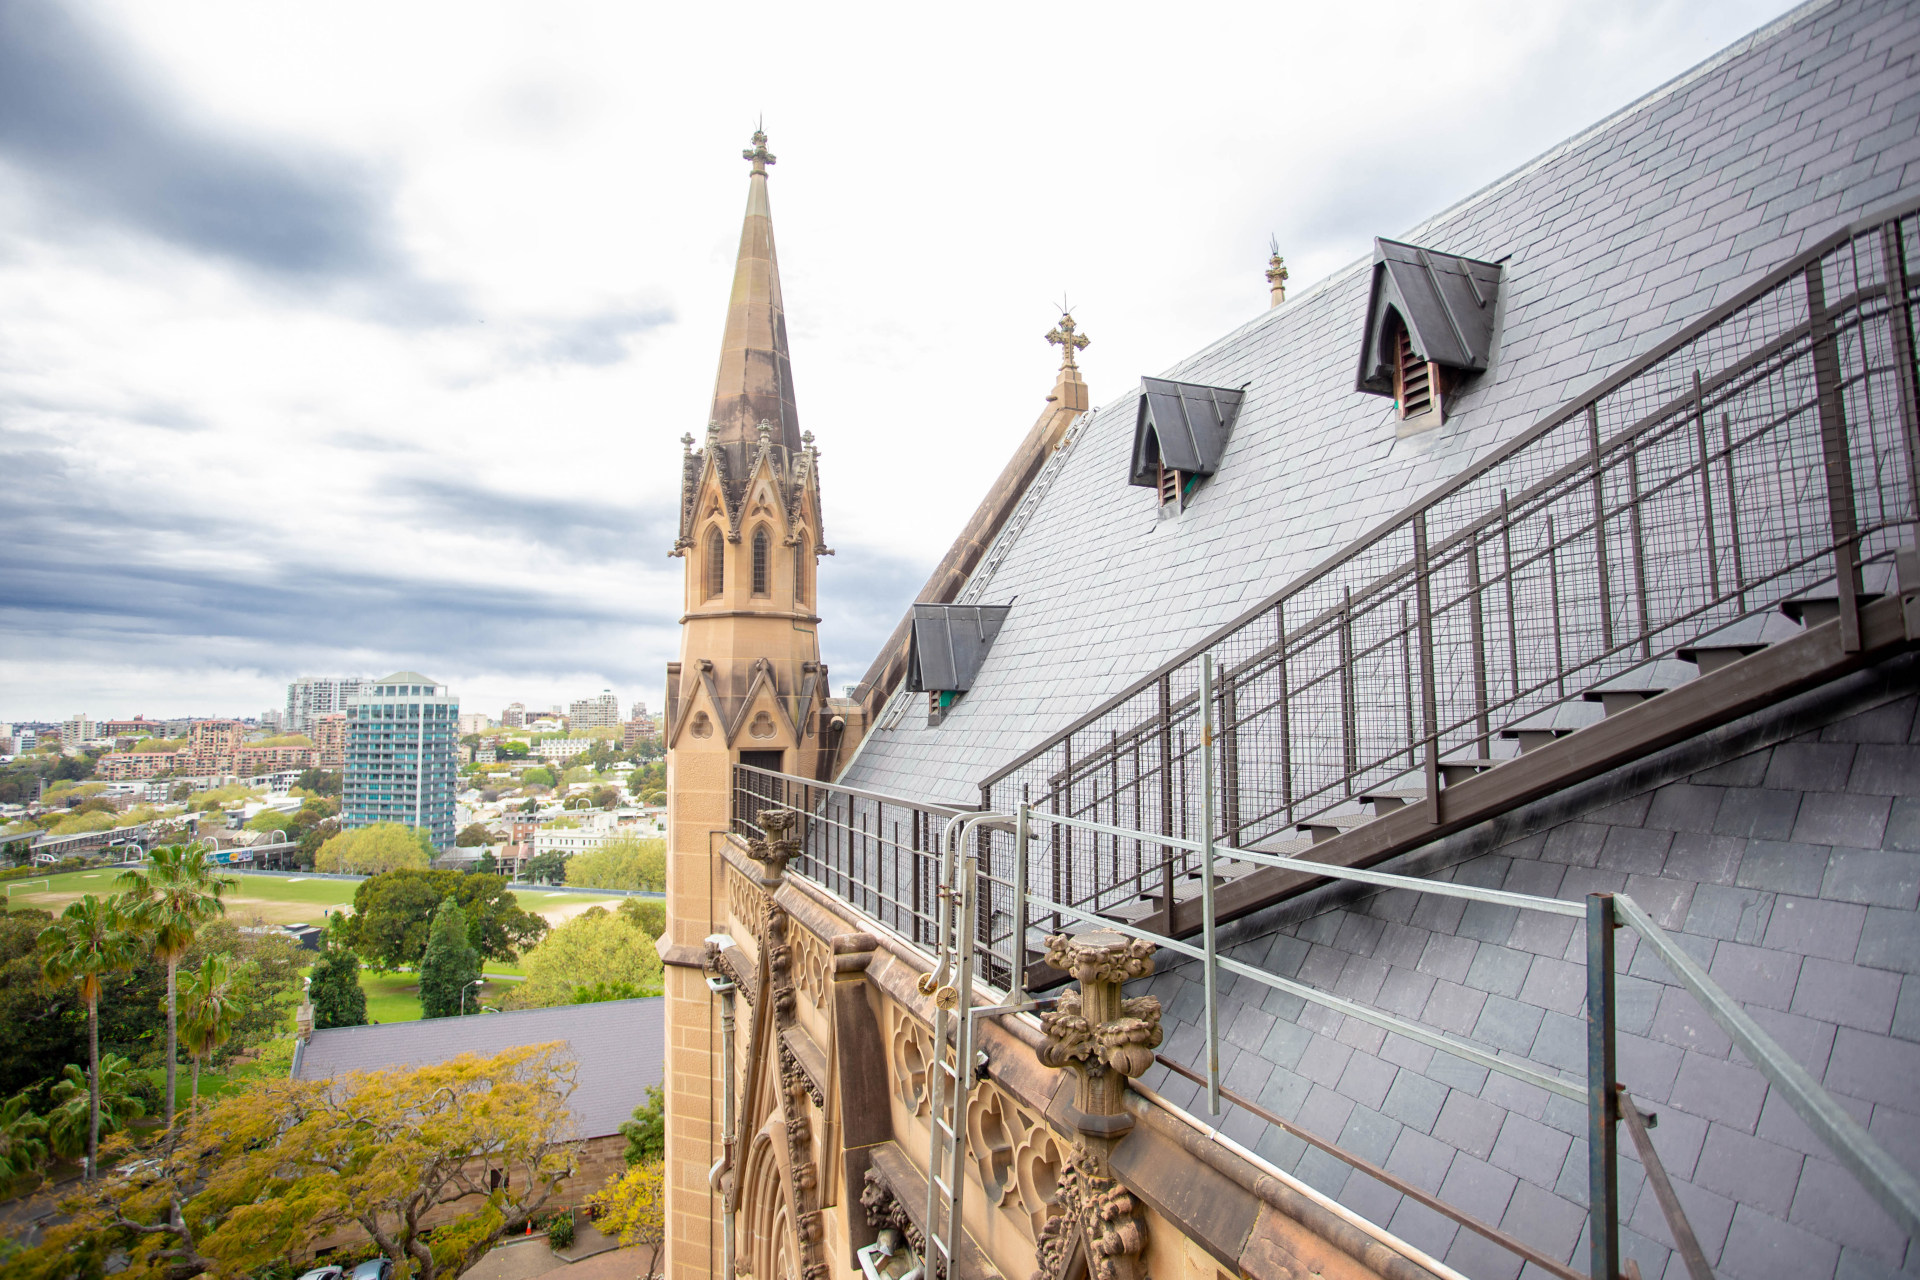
point(950, 1080)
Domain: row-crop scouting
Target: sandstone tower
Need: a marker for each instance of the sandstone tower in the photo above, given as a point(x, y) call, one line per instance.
point(749, 686)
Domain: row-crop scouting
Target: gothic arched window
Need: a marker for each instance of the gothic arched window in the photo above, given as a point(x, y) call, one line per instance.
point(716, 563)
point(800, 556)
point(762, 561)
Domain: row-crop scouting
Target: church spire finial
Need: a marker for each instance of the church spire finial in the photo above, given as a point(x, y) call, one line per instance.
point(1277, 274)
point(1065, 337)
point(759, 154)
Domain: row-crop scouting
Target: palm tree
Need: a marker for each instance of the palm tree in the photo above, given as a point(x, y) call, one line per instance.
point(88, 941)
point(78, 1109)
point(209, 1004)
point(177, 893)
point(23, 1139)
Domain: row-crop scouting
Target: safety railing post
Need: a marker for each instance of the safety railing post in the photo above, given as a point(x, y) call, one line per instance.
point(1017, 981)
point(1429, 701)
point(1603, 1171)
point(1837, 460)
point(1207, 924)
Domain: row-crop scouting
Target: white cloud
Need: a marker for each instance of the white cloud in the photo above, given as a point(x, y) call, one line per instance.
point(371, 345)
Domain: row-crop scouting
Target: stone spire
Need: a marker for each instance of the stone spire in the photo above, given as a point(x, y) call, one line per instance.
point(755, 383)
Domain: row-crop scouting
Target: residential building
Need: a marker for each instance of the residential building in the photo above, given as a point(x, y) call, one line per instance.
point(272, 720)
point(250, 761)
point(310, 697)
point(474, 722)
point(636, 731)
point(119, 766)
point(595, 829)
point(76, 730)
point(211, 744)
point(601, 711)
point(133, 728)
point(400, 755)
point(329, 734)
point(639, 711)
point(1551, 560)
point(563, 748)
point(486, 754)
point(617, 1049)
point(515, 716)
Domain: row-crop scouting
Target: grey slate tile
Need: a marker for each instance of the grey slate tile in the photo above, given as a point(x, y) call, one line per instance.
point(1762, 1245)
point(1829, 1203)
point(1872, 878)
point(1890, 940)
point(1863, 999)
point(1782, 867)
point(1531, 1150)
point(1714, 1089)
point(1816, 928)
point(1853, 821)
point(1751, 1170)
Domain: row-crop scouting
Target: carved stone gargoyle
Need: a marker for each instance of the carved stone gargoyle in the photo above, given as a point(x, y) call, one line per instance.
point(780, 844)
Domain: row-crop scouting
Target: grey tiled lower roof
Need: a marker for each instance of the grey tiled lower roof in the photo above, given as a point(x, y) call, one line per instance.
point(620, 1046)
point(1610, 242)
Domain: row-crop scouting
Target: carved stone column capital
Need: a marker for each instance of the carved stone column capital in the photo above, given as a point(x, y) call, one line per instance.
point(779, 845)
point(1101, 956)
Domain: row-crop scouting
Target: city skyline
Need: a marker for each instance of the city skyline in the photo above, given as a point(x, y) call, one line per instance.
point(428, 417)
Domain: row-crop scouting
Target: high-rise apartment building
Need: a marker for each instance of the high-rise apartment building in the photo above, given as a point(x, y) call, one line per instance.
point(515, 716)
point(401, 763)
point(76, 729)
point(599, 712)
point(312, 696)
point(329, 734)
point(273, 720)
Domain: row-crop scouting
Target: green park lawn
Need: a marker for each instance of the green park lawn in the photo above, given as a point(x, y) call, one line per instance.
point(269, 899)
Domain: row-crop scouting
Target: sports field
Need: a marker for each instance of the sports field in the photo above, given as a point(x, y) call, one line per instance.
point(285, 899)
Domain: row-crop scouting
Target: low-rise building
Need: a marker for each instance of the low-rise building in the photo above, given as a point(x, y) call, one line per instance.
point(601, 711)
point(618, 1048)
point(474, 722)
point(562, 748)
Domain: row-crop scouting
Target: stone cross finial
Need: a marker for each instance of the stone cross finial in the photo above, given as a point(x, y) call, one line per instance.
point(1277, 276)
point(766, 431)
point(1064, 337)
point(686, 442)
point(759, 154)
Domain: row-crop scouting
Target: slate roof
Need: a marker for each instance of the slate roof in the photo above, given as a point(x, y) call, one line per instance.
point(620, 1046)
point(1610, 242)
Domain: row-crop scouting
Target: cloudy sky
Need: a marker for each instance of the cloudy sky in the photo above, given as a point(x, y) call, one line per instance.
point(346, 337)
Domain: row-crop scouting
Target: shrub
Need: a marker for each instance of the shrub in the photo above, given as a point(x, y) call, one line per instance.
point(560, 1231)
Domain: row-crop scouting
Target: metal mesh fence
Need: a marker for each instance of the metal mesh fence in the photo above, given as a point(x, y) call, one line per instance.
point(1765, 456)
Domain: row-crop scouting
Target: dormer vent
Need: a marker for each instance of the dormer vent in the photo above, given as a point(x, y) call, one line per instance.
point(1429, 324)
point(1180, 432)
point(945, 649)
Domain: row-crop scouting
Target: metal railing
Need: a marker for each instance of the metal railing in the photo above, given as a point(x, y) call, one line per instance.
point(1765, 453)
point(879, 853)
point(849, 846)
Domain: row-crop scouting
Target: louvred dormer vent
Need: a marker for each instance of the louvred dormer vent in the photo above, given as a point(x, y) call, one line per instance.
point(1430, 326)
point(1179, 435)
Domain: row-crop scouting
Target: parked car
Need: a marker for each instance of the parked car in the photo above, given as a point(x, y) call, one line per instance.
point(326, 1273)
point(374, 1269)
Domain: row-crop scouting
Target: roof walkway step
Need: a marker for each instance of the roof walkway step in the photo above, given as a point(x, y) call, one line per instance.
point(1649, 680)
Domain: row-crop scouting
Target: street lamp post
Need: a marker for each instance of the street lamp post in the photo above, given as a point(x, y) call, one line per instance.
point(463, 994)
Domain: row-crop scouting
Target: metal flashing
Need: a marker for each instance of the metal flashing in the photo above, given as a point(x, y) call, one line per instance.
point(948, 643)
point(1447, 303)
point(1182, 426)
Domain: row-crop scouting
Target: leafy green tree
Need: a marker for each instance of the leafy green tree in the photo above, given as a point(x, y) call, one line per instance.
point(488, 864)
point(88, 941)
point(23, 1139)
point(319, 782)
point(392, 914)
point(648, 916)
point(167, 903)
point(622, 862)
point(44, 1024)
point(646, 1133)
point(384, 846)
point(601, 992)
point(180, 792)
point(548, 868)
point(472, 836)
point(596, 947)
point(210, 1001)
point(266, 981)
point(450, 965)
point(75, 1123)
point(284, 1167)
point(336, 994)
point(270, 820)
point(538, 776)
